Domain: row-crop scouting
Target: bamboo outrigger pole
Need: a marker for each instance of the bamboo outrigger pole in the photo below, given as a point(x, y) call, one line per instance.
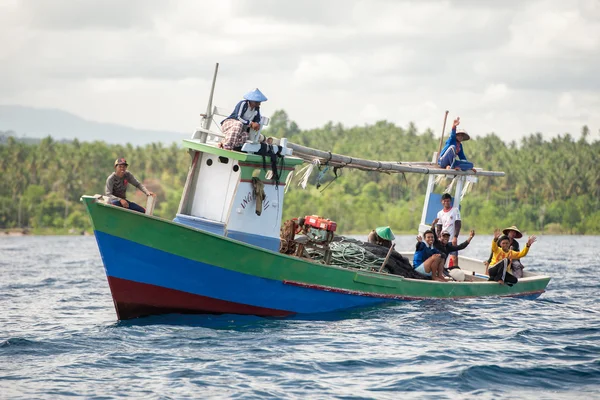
point(338, 160)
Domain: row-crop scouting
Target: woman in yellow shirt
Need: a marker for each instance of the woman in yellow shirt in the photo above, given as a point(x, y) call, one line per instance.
point(500, 270)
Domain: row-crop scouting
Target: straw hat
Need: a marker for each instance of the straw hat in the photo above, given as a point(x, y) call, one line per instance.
point(518, 233)
point(385, 232)
point(464, 133)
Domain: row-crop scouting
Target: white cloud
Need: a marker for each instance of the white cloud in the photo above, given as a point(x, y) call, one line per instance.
point(511, 67)
point(321, 68)
point(370, 113)
point(495, 92)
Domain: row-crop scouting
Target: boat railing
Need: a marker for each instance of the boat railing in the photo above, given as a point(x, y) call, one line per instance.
point(204, 132)
point(150, 202)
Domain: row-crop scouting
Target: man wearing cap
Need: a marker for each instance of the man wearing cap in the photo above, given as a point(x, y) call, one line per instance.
point(245, 116)
point(501, 265)
point(453, 156)
point(116, 187)
point(381, 236)
point(512, 233)
point(445, 247)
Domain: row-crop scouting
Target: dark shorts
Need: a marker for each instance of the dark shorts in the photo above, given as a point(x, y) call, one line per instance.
point(132, 206)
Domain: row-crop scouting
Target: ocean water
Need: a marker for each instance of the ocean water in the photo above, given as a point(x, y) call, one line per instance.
point(59, 338)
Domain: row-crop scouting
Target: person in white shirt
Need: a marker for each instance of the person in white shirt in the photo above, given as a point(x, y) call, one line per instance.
point(449, 221)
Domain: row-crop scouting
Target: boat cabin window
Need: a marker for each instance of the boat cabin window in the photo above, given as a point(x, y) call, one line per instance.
point(209, 162)
point(236, 168)
point(223, 160)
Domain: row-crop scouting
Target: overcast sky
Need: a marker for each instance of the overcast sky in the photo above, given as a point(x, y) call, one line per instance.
point(510, 67)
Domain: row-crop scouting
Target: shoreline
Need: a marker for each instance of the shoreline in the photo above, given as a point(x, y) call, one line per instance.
point(43, 232)
point(73, 232)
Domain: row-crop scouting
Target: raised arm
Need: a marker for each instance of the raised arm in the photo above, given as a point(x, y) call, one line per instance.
point(454, 125)
point(523, 253)
point(495, 240)
point(434, 229)
point(463, 244)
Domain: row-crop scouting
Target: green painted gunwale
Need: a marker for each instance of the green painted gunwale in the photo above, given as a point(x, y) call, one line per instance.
point(223, 252)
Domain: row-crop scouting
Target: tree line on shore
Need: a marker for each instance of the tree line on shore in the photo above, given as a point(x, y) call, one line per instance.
point(551, 186)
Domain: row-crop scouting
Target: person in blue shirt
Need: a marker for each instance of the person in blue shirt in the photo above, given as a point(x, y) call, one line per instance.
point(245, 116)
point(452, 155)
point(428, 260)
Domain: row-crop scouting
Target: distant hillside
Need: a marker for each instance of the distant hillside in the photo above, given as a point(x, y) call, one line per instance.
point(40, 122)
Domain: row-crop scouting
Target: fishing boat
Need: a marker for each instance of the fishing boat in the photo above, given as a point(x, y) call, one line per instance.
point(221, 254)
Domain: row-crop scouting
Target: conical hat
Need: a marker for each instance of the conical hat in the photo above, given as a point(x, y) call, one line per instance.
point(385, 232)
point(513, 228)
point(255, 95)
point(464, 133)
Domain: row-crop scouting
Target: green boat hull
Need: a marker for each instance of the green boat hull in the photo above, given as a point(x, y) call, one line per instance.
point(156, 266)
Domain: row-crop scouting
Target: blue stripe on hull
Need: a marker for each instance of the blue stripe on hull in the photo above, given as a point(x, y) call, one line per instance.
point(265, 242)
point(129, 260)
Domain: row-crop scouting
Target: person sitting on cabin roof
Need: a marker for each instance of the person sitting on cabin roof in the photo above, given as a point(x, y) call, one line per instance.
point(381, 236)
point(427, 259)
point(245, 116)
point(512, 233)
point(446, 248)
point(116, 187)
point(500, 270)
point(452, 155)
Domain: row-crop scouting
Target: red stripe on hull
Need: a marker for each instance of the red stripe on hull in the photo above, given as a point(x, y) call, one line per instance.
point(135, 299)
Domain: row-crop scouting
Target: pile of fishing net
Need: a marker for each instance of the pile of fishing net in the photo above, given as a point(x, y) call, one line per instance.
point(352, 253)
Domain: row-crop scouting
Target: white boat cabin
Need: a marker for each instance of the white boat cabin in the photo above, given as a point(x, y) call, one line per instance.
point(219, 194)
